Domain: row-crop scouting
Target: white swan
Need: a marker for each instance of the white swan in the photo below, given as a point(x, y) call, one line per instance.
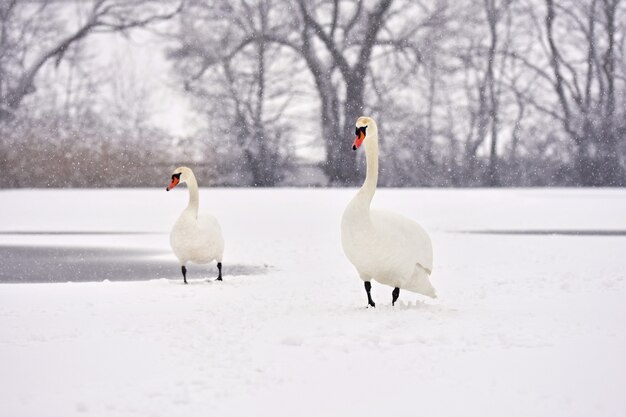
point(383, 246)
point(195, 238)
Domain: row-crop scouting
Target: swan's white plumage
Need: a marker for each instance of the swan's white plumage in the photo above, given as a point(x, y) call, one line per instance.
point(195, 237)
point(384, 246)
point(197, 240)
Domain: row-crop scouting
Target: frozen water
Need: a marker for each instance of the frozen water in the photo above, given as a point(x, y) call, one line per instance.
point(525, 324)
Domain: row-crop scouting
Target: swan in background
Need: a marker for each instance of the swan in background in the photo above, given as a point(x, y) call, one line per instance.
point(195, 238)
point(383, 246)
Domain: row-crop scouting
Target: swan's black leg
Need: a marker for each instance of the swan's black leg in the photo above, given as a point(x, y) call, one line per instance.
point(219, 268)
point(368, 288)
point(184, 273)
point(395, 294)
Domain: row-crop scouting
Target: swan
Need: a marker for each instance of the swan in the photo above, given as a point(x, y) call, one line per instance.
point(383, 246)
point(195, 238)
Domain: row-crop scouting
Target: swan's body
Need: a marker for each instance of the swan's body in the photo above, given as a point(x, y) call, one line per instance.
point(195, 237)
point(384, 246)
point(197, 240)
point(390, 249)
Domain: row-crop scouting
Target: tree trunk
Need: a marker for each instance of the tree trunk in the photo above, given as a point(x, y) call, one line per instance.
point(348, 173)
point(492, 21)
point(331, 129)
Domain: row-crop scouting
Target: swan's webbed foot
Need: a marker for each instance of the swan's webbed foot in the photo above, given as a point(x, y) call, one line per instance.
point(394, 295)
point(368, 288)
point(184, 273)
point(219, 268)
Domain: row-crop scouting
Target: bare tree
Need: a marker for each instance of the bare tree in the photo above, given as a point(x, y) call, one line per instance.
point(585, 87)
point(31, 36)
point(54, 122)
point(466, 93)
point(341, 165)
point(243, 83)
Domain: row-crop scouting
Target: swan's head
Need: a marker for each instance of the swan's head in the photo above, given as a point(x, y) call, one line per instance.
point(180, 175)
point(362, 124)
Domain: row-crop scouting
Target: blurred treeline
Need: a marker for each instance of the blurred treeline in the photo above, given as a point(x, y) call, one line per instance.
point(466, 93)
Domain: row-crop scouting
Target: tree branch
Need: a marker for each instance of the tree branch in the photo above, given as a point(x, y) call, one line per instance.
point(338, 57)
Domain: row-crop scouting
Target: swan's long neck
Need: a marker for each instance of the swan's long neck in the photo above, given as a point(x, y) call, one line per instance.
point(192, 186)
point(371, 155)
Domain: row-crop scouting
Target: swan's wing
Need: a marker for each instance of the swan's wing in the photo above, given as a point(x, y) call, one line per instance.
point(211, 234)
point(207, 221)
point(405, 234)
point(209, 226)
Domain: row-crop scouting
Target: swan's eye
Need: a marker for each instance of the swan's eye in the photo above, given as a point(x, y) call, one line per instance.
point(177, 176)
point(359, 130)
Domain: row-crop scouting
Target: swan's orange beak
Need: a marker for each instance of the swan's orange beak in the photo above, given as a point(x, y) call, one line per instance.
point(358, 140)
point(173, 183)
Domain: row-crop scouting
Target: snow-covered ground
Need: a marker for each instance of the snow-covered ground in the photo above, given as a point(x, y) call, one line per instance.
point(527, 324)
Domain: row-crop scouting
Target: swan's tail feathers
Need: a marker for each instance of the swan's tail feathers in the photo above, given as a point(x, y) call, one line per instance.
point(420, 282)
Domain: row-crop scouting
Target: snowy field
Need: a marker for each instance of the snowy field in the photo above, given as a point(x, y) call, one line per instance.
point(530, 320)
